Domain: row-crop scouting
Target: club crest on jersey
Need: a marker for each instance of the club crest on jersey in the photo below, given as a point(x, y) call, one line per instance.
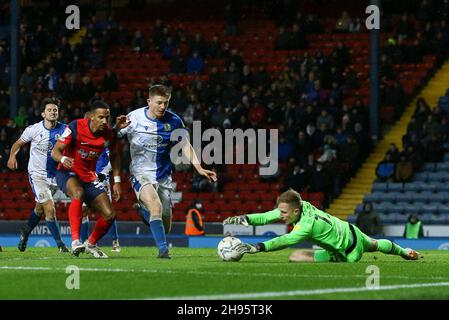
point(167, 127)
point(146, 128)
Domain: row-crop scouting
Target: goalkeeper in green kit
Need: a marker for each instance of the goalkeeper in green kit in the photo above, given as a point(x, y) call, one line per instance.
point(340, 241)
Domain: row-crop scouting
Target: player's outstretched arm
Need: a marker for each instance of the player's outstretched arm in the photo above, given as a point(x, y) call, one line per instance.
point(243, 248)
point(57, 155)
point(189, 152)
point(121, 122)
point(12, 161)
point(116, 164)
point(238, 220)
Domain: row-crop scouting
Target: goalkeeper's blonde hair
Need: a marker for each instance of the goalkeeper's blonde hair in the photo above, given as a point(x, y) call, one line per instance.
point(290, 197)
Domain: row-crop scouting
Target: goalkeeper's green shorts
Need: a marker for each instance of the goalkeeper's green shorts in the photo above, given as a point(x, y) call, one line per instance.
point(363, 243)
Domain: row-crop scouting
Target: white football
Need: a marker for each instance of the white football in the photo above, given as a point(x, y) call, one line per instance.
point(225, 249)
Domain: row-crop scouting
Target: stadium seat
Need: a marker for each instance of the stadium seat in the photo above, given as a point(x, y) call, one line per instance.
point(352, 218)
point(439, 219)
point(373, 197)
point(420, 176)
point(411, 209)
point(413, 186)
point(395, 187)
point(443, 209)
point(379, 187)
point(386, 218)
point(429, 167)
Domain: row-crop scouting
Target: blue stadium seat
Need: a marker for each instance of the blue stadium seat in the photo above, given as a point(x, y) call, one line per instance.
point(439, 219)
point(446, 157)
point(420, 176)
point(395, 208)
point(425, 218)
point(379, 207)
point(379, 187)
point(352, 218)
point(373, 197)
point(395, 187)
point(443, 209)
point(405, 197)
point(444, 176)
point(411, 209)
point(389, 197)
point(429, 167)
point(413, 186)
point(430, 186)
point(387, 218)
point(434, 177)
point(439, 197)
point(442, 166)
point(421, 197)
point(400, 218)
point(429, 208)
point(442, 187)
point(359, 208)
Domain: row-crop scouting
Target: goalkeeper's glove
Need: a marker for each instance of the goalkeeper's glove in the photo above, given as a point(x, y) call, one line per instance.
point(237, 220)
point(243, 248)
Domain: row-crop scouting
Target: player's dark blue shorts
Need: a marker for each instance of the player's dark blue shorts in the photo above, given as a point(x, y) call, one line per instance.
point(91, 189)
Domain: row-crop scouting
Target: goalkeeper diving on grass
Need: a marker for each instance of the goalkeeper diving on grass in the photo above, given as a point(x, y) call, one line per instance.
point(340, 241)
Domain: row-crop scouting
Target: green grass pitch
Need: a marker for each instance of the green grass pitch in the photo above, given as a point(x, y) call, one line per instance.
point(135, 273)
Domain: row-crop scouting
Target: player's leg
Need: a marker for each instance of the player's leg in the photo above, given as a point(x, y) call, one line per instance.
point(385, 246)
point(321, 255)
point(113, 230)
point(302, 256)
point(72, 186)
point(52, 224)
point(144, 214)
point(42, 193)
point(150, 200)
point(32, 222)
point(84, 231)
point(165, 197)
point(99, 201)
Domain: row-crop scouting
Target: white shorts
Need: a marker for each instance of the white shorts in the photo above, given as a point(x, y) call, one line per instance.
point(163, 188)
point(44, 188)
point(107, 188)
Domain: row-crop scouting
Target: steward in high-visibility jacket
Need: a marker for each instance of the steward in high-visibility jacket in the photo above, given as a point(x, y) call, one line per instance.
point(413, 228)
point(194, 223)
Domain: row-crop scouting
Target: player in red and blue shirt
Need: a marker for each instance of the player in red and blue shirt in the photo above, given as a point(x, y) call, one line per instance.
point(77, 151)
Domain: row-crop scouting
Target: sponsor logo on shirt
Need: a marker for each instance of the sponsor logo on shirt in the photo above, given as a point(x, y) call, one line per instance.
point(88, 154)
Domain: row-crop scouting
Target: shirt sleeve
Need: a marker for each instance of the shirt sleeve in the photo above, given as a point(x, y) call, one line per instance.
point(298, 234)
point(27, 134)
point(130, 128)
point(260, 219)
point(69, 133)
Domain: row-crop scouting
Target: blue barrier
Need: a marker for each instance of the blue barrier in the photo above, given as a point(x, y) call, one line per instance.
point(434, 243)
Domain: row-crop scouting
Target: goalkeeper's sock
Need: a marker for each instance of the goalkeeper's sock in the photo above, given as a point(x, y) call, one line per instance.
point(53, 226)
point(113, 230)
point(388, 247)
point(84, 231)
point(32, 222)
point(158, 231)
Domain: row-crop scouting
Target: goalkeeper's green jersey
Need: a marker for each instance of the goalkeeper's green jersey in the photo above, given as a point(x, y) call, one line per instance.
point(314, 225)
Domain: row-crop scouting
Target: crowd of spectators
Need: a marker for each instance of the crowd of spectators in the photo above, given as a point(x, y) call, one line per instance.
point(322, 139)
point(424, 141)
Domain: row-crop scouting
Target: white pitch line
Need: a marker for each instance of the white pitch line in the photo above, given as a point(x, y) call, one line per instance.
point(274, 294)
point(217, 273)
